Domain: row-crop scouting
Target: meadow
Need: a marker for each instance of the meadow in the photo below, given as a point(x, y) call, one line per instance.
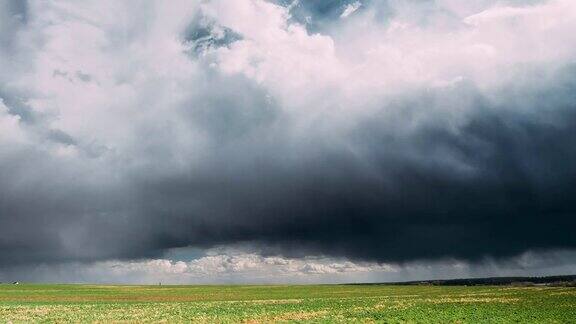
point(284, 303)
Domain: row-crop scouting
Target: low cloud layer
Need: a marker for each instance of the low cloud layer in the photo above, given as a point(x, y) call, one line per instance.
point(225, 265)
point(372, 131)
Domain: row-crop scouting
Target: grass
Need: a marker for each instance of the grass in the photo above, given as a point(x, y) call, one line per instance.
point(320, 303)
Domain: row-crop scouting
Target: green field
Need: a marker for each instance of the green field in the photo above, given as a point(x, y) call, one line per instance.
point(320, 303)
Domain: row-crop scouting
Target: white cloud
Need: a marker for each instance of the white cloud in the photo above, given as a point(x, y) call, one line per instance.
point(104, 76)
point(233, 266)
point(10, 130)
point(367, 61)
point(250, 266)
point(212, 268)
point(118, 79)
point(350, 9)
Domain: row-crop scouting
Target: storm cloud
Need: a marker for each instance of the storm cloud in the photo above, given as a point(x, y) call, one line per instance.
point(375, 131)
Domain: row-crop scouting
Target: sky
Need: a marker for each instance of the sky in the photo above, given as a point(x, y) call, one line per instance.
point(262, 141)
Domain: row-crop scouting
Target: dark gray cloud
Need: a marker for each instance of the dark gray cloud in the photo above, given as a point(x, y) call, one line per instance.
point(317, 15)
point(204, 34)
point(215, 126)
point(14, 14)
point(500, 184)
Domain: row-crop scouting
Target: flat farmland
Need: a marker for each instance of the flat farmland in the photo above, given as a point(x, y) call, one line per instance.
point(287, 303)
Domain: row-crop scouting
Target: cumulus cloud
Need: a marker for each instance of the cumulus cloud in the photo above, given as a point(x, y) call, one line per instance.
point(225, 265)
point(216, 265)
point(409, 130)
point(350, 9)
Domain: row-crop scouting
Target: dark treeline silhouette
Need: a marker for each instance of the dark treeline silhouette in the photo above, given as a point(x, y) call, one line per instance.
point(568, 280)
